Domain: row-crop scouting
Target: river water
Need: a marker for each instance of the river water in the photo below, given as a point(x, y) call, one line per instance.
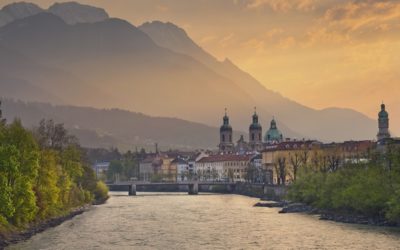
point(205, 221)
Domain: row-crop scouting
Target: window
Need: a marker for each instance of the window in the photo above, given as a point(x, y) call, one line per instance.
point(223, 138)
point(252, 136)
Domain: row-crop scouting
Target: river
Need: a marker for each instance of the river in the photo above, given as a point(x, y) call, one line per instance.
point(205, 221)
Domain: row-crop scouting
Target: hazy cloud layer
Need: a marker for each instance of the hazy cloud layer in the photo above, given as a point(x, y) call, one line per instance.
point(281, 5)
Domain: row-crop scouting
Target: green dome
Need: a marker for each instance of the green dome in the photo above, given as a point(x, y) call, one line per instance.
point(273, 134)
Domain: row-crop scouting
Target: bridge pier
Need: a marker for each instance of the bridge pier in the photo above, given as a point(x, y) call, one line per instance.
point(194, 188)
point(230, 188)
point(132, 189)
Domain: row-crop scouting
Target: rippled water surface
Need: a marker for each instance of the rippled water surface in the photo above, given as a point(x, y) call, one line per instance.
point(206, 221)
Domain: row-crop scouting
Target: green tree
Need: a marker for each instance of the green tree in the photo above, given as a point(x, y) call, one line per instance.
point(47, 191)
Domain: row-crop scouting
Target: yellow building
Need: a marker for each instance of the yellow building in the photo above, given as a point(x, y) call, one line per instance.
point(286, 158)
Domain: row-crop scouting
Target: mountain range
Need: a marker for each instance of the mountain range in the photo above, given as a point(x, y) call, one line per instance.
point(77, 55)
point(115, 127)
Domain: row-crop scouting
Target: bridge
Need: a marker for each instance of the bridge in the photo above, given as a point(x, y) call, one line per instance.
point(193, 186)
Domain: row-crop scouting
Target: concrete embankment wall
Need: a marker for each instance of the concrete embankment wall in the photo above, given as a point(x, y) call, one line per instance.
point(271, 192)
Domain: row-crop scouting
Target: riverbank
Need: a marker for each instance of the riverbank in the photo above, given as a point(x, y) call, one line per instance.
point(290, 207)
point(15, 236)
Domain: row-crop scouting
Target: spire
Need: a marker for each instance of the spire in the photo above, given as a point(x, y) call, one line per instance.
point(273, 123)
point(226, 118)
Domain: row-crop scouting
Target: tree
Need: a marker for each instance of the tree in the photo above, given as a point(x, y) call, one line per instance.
point(296, 161)
point(54, 136)
point(280, 168)
point(2, 120)
point(115, 170)
point(23, 173)
point(46, 189)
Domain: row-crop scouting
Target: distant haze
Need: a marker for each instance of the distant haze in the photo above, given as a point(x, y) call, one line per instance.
point(156, 68)
point(322, 53)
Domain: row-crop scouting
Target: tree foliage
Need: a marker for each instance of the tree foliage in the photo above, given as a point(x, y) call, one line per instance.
point(368, 188)
point(42, 173)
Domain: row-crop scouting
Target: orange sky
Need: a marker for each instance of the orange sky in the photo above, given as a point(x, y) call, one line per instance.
point(321, 53)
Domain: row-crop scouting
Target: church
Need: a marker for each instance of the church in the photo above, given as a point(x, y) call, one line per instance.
point(256, 143)
point(383, 137)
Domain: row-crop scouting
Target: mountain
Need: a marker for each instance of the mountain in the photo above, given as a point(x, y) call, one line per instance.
point(114, 127)
point(155, 69)
point(73, 12)
point(70, 12)
point(15, 11)
point(115, 57)
point(327, 124)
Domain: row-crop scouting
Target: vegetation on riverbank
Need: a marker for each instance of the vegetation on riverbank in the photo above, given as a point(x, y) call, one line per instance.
point(43, 175)
point(368, 188)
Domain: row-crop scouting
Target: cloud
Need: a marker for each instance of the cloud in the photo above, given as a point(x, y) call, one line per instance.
point(282, 5)
point(226, 40)
point(358, 20)
point(161, 8)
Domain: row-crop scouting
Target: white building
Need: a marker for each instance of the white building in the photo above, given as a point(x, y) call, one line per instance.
point(101, 168)
point(182, 169)
point(228, 167)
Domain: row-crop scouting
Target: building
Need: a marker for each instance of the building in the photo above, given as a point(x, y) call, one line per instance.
point(101, 168)
point(241, 145)
point(168, 170)
point(255, 134)
point(192, 163)
point(273, 135)
point(147, 168)
point(223, 167)
point(257, 172)
point(182, 169)
point(383, 124)
point(225, 132)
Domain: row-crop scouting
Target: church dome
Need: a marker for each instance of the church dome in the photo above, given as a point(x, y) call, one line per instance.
point(273, 134)
point(225, 126)
point(383, 113)
point(255, 125)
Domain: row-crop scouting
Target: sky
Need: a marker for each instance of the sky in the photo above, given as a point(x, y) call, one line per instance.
point(321, 53)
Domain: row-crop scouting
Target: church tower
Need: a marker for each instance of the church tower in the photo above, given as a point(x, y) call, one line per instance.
point(255, 133)
point(383, 123)
point(225, 136)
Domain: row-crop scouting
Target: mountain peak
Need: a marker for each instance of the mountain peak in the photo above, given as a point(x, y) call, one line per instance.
point(73, 12)
point(169, 35)
point(18, 10)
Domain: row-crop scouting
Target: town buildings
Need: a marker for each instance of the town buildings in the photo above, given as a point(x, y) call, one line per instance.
point(269, 159)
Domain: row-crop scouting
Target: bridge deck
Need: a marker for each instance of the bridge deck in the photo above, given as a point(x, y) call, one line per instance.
point(168, 183)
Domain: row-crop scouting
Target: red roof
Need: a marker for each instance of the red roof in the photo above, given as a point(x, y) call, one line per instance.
point(227, 157)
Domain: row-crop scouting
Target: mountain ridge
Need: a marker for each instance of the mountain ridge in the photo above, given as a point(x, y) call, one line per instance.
point(116, 127)
point(129, 68)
